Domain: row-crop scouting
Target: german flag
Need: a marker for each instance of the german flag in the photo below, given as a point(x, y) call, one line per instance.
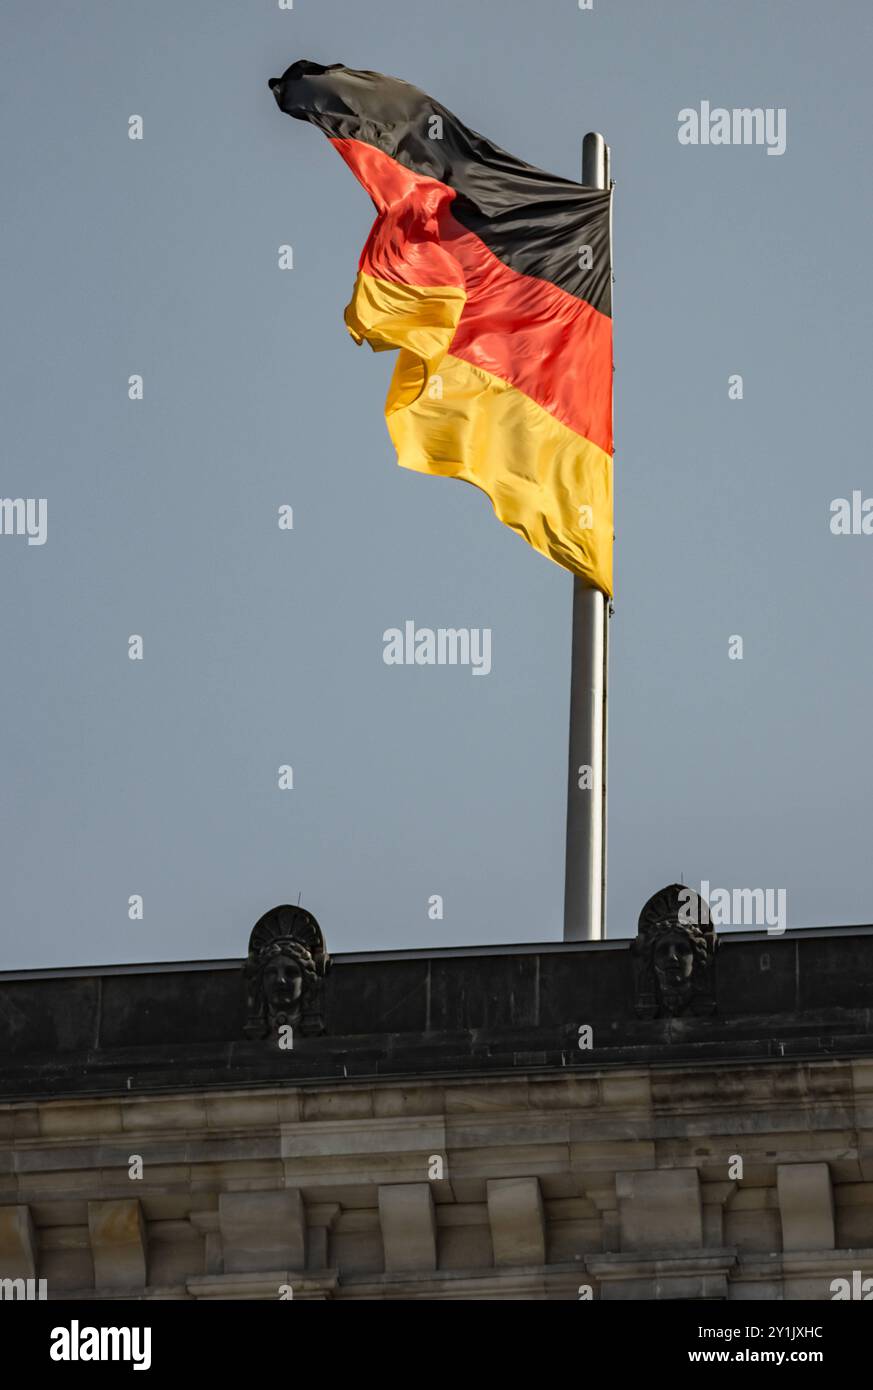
point(493, 280)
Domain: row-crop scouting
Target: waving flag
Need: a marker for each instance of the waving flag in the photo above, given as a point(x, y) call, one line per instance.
point(493, 280)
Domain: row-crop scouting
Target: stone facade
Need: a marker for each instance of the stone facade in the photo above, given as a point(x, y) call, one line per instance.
point(150, 1152)
point(532, 1186)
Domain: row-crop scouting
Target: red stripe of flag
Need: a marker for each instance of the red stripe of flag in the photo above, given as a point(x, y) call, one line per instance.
point(551, 345)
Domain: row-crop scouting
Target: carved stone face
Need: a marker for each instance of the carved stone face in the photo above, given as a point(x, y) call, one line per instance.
point(673, 959)
point(283, 986)
point(284, 974)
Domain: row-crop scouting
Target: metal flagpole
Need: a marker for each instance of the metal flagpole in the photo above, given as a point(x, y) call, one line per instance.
point(585, 874)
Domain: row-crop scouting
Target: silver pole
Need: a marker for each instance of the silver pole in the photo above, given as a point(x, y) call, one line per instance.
point(585, 875)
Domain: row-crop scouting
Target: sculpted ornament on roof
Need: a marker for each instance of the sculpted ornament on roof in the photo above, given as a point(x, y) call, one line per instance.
point(674, 956)
point(284, 974)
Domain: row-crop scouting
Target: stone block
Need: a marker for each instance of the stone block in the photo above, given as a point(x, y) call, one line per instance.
point(515, 1213)
point(806, 1205)
point(660, 1210)
point(242, 1112)
point(262, 1231)
point(17, 1243)
point(188, 1113)
point(349, 1138)
point(118, 1244)
point(87, 1119)
point(406, 1215)
point(342, 1104)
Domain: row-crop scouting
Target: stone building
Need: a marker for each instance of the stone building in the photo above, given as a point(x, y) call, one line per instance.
point(629, 1119)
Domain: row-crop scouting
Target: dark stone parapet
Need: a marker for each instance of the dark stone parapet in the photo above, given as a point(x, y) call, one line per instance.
point(122, 1030)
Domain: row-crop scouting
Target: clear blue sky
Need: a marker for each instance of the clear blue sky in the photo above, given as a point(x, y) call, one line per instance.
point(264, 647)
